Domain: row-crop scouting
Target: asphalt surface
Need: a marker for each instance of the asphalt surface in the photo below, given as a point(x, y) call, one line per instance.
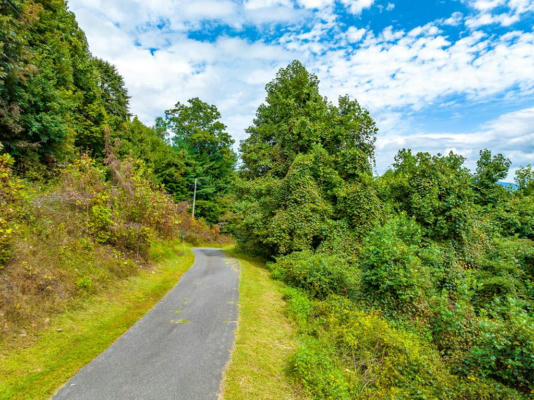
point(179, 349)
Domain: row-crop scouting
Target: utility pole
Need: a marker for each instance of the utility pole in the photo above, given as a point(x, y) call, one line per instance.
point(194, 198)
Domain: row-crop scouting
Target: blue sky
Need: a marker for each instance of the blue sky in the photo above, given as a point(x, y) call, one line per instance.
point(436, 75)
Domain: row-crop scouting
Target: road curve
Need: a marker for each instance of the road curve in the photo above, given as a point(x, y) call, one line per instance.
point(179, 349)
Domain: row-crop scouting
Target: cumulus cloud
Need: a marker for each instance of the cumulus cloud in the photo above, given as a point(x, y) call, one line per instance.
point(500, 12)
point(355, 35)
point(357, 6)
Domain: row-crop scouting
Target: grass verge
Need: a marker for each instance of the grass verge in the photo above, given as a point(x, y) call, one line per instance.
point(34, 368)
point(265, 340)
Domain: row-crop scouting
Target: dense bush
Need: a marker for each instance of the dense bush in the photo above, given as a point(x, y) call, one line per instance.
point(414, 285)
point(393, 275)
point(504, 346)
point(320, 274)
point(315, 367)
point(435, 190)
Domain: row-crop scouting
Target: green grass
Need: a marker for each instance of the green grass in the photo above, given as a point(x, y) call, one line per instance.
point(34, 368)
point(264, 342)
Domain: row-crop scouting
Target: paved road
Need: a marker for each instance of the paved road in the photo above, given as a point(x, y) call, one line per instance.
point(179, 349)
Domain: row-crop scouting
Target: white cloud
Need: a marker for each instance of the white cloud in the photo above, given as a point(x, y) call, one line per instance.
point(416, 69)
point(258, 4)
point(357, 6)
point(355, 35)
point(501, 12)
point(315, 3)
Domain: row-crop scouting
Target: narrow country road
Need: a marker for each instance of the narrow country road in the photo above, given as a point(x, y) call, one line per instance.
point(179, 349)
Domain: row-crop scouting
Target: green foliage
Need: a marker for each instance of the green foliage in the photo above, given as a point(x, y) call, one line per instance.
point(435, 190)
point(84, 283)
point(524, 178)
point(200, 138)
point(305, 163)
point(360, 205)
point(166, 166)
point(283, 215)
point(319, 274)
point(317, 371)
point(490, 169)
point(298, 304)
point(54, 95)
point(393, 274)
point(515, 216)
point(113, 92)
point(414, 285)
point(9, 197)
point(92, 225)
point(295, 118)
point(504, 347)
point(503, 271)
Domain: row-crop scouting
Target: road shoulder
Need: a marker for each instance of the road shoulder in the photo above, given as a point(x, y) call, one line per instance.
point(265, 339)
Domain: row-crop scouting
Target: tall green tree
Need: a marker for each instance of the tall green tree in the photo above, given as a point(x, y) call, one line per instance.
point(54, 95)
point(196, 131)
point(435, 190)
point(295, 117)
point(113, 93)
point(524, 179)
point(490, 170)
point(305, 161)
point(168, 167)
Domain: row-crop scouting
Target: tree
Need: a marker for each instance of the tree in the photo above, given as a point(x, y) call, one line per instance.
point(299, 162)
point(167, 166)
point(490, 169)
point(295, 117)
point(524, 178)
point(113, 92)
point(50, 100)
point(198, 134)
point(435, 190)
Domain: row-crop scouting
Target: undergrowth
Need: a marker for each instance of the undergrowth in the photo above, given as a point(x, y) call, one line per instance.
point(92, 225)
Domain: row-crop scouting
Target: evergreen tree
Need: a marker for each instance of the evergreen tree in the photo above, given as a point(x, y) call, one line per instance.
point(200, 137)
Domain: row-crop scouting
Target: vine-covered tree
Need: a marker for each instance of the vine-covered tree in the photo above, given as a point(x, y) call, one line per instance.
point(302, 154)
point(295, 117)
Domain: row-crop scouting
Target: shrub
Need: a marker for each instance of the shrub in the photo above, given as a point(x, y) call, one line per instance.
point(316, 370)
point(504, 347)
point(319, 274)
point(133, 237)
point(298, 305)
point(359, 355)
point(435, 190)
point(503, 270)
point(393, 275)
point(360, 205)
point(298, 223)
point(453, 326)
point(84, 283)
point(9, 197)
